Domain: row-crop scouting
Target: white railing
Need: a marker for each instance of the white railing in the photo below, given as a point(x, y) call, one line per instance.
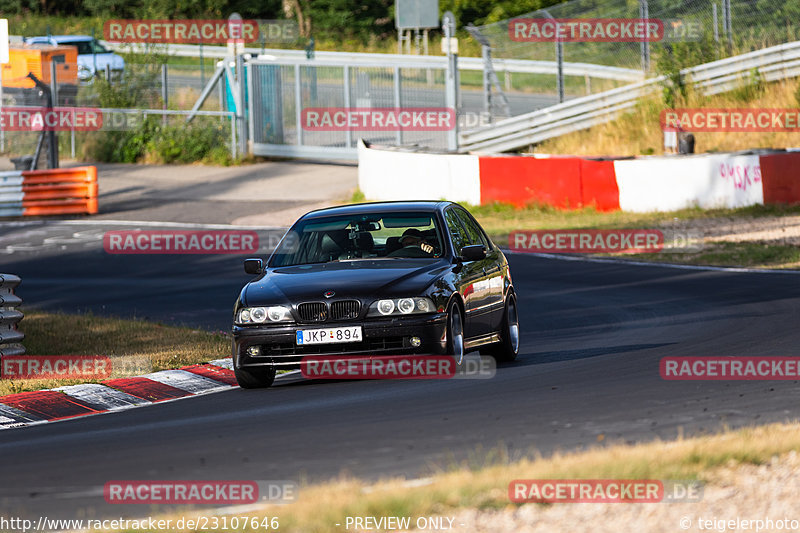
point(352, 58)
point(774, 63)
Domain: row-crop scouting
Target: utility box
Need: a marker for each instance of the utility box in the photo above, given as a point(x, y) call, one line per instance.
point(36, 59)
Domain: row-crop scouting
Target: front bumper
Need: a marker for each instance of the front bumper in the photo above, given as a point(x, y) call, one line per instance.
point(381, 336)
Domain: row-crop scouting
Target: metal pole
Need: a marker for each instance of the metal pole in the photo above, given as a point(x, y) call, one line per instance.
point(54, 83)
point(486, 51)
point(398, 102)
point(251, 95)
point(164, 92)
point(202, 67)
point(52, 138)
point(298, 103)
point(233, 135)
point(240, 76)
point(716, 23)
point(346, 72)
point(644, 13)
point(729, 24)
point(451, 78)
point(559, 60)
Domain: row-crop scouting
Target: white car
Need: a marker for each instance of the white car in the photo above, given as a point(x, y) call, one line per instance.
point(93, 57)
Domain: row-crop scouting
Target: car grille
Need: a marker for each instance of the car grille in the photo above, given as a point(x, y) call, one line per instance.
point(313, 312)
point(319, 311)
point(345, 309)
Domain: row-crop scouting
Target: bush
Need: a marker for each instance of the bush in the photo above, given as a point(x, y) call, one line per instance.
point(202, 140)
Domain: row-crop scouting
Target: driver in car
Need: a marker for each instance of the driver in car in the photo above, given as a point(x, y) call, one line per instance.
point(413, 242)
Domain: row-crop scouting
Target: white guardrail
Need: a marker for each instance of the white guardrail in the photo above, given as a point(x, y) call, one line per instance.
point(352, 58)
point(774, 63)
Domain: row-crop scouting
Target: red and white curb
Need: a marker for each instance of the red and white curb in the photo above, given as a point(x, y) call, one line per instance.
point(62, 403)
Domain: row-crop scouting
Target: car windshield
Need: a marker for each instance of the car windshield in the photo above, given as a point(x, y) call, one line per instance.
point(85, 47)
point(365, 236)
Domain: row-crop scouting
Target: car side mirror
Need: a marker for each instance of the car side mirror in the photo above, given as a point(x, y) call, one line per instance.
point(253, 266)
point(476, 252)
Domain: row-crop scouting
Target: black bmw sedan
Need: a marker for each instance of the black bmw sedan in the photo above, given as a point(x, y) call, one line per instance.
point(386, 278)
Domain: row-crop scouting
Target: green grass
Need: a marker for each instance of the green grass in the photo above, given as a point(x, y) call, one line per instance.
point(732, 254)
point(501, 219)
point(142, 345)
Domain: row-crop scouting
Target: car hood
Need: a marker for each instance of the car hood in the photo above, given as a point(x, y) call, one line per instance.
point(363, 279)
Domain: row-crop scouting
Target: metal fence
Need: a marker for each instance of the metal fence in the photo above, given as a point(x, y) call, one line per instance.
point(81, 144)
point(773, 64)
point(279, 91)
point(10, 337)
point(733, 26)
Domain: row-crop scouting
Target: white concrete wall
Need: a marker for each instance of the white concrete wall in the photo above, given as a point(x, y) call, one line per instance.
point(706, 181)
point(393, 175)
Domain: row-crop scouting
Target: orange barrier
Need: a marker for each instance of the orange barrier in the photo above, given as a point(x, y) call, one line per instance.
point(59, 191)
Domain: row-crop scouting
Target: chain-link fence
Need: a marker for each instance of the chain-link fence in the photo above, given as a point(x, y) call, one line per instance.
point(733, 26)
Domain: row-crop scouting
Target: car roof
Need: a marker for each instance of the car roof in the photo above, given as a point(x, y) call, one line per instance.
point(72, 37)
point(378, 207)
point(59, 38)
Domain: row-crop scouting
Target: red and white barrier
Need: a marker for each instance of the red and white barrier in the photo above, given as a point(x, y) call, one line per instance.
point(637, 184)
point(59, 191)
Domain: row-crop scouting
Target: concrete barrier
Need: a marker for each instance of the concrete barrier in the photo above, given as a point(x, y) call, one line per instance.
point(644, 184)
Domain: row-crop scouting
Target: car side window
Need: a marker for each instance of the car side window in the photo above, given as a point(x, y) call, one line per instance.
point(474, 233)
point(456, 229)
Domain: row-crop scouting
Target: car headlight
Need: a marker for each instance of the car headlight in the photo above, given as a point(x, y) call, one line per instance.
point(401, 306)
point(261, 315)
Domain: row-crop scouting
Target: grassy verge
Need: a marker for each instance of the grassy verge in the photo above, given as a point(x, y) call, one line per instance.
point(485, 486)
point(639, 132)
point(500, 219)
point(125, 341)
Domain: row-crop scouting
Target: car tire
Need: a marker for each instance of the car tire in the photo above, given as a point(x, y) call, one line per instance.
point(508, 348)
point(256, 377)
point(455, 334)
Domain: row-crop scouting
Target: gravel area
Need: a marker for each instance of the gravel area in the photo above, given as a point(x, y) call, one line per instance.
point(743, 492)
point(767, 230)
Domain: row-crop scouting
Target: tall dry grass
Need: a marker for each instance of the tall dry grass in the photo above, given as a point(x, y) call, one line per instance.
point(639, 132)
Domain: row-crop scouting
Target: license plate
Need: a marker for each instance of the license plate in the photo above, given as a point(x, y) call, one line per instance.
point(329, 336)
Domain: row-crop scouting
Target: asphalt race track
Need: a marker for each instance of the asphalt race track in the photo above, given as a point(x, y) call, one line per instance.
point(593, 335)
